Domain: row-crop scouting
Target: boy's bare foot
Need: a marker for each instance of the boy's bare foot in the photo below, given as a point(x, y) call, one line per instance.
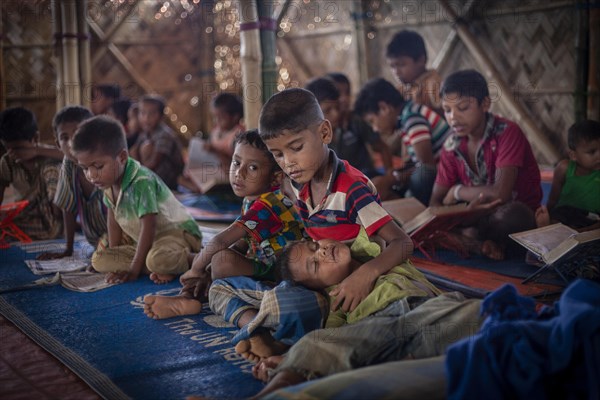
point(160, 279)
point(542, 217)
point(261, 370)
point(260, 345)
point(161, 307)
point(492, 250)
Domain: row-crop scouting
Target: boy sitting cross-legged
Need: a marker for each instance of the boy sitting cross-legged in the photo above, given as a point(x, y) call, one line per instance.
point(140, 207)
point(249, 246)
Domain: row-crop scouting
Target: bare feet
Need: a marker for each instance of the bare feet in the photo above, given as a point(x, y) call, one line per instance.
point(260, 345)
point(492, 250)
point(542, 217)
point(261, 370)
point(160, 279)
point(161, 307)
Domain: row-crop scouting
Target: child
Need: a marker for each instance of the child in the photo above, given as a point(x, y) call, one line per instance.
point(413, 132)
point(268, 221)
point(133, 131)
point(407, 58)
point(575, 195)
point(227, 111)
point(103, 96)
point(486, 156)
point(334, 199)
point(119, 110)
point(140, 206)
point(75, 195)
point(404, 316)
point(32, 170)
point(351, 136)
point(160, 150)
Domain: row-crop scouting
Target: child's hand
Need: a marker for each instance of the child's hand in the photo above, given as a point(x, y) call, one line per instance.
point(352, 290)
point(54, 256)
point(449, 199)
point(196, 283)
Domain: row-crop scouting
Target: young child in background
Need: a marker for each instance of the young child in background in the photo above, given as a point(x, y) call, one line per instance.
point(160, 149)
point(119, 110)
point(413, 132)
point(227, 111)
point(32, 170)
point(140, 206)
point(575, 195)
point(407, 58)
point(351, 136)
point(486, 157)
point(249, 246)
point(334, 199)
point(75, 195)
point(103, 97)
point(133, 132)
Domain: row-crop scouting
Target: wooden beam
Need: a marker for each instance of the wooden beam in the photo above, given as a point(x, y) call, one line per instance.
point(358, 37)
point(519, 114)
point(70, 52)
point(85, 67)
point(57, 54)
point(251, 62)
point(450, 43)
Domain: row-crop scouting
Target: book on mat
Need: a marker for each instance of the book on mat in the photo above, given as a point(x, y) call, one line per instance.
point(418, 220)
point(203, 167)
point(557, 242)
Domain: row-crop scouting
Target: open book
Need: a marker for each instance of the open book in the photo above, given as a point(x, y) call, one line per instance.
point(203, 167)
point(418, 220)
point(554, 243)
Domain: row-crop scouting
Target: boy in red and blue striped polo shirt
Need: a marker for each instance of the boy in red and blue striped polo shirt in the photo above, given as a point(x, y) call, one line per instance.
point(334, 199)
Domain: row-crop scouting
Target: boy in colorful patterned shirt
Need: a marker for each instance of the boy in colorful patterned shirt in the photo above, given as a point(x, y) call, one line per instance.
point(140, 207)
point(249, 246)
point(75, 195)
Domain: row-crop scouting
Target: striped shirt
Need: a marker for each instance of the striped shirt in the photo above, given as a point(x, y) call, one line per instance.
point(351, 201)
point(70, 198)
point(417, 123)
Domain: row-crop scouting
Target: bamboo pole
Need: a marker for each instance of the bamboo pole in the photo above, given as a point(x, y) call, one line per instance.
point(519, 114)
point(206, 49)
point(57, 53)
point(593, 84)
point(85, 68)
point(70, 50)
point(251, 60)
point(268, 46)
point(358, 37)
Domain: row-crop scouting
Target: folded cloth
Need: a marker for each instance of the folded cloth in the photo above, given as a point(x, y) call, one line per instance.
point(521, 354)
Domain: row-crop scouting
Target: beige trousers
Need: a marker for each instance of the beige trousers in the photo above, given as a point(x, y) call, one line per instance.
point(168, 255)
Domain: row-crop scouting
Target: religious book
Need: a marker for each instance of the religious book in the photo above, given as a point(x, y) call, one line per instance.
point(555, 243)
point(203, 167)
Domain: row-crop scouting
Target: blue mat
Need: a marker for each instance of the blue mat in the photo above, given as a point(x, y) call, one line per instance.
point(106, 339)
point(219, 206)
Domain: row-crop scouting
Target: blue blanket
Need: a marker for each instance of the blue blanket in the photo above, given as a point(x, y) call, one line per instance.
point(105, 338)
point(523, 354)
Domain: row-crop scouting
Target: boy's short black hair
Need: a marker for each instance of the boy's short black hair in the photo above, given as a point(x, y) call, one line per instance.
point(155, 99)
point(252, 138)
point(293, 110)
point(101, 134)
point(585, 130)
point(466, 83)
point(282, 265)
point(338, 77)
point(324, 89)
point(406, 43)
point(230, 103)
point(120, 108)
point(17, 123)
point(71, 114)
point(109, 90)
point(374, 91)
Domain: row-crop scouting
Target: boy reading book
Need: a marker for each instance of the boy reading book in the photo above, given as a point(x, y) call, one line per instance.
point(140, 207)
point(486, 156)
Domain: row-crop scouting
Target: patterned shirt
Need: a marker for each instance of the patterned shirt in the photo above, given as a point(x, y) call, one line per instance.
point(503, 145)
point(415, 124)
point(142, 193)
point(70, 198)
point(351, 201)
point(271, 222)
point(38, 220)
